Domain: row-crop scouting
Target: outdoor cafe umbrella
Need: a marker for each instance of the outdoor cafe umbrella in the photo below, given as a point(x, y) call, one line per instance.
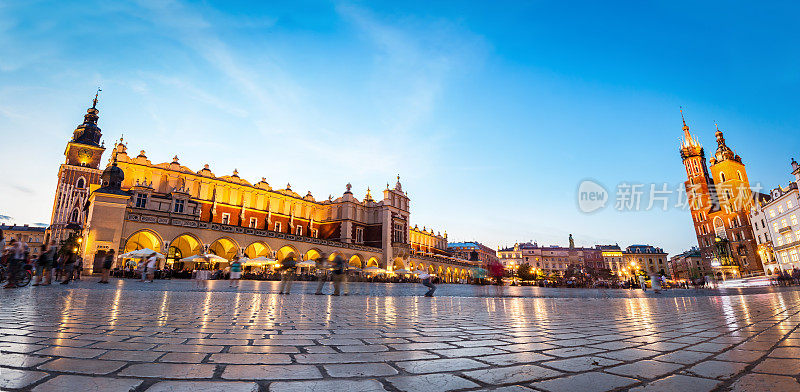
point(205, 257)
point(306, 263)
point(374, 269)
point(403, 272)
point(353, 268)
point(146, 252)
point(263, 260)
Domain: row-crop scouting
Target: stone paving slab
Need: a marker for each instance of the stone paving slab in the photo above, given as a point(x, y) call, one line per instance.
point(93, 338)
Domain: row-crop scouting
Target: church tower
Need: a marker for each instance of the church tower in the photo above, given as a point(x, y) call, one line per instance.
point(719, 199)
point(80, 170)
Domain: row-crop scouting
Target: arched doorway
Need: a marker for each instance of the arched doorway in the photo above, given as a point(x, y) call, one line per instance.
point(313, 255)
point(355, 261)
point(257, 249)
point(143, 239)
point(398, 264)
point(184, 245)
point(285, 251)
point(223, 247)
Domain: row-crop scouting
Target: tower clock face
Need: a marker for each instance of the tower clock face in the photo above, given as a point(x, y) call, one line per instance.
point(85, 153)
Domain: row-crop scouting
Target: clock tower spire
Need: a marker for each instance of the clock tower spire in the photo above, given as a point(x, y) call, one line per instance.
point(78, 175)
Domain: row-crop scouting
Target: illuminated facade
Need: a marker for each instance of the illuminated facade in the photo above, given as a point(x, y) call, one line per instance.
point(720, 199)
point(612, 258)
point(775, 223)
point(179, 212)
point(34, 236)
point(650, 259)
point(550, 259)
point(473, 251)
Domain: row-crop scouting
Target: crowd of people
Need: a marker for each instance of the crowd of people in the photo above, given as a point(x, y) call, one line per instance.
point(52, 263)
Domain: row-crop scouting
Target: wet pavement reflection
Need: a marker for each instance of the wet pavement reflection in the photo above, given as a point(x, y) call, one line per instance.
point(169, 335)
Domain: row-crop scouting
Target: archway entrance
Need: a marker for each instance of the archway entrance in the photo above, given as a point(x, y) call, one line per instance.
point(141, 240)
point(257, 249)
point(286, 251)
point(184, 245)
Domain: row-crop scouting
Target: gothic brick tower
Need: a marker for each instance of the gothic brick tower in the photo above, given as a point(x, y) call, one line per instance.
point(720, 199)
point(79, 171)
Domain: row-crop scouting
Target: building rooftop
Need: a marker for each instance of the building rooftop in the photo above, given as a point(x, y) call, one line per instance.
point(39, 229)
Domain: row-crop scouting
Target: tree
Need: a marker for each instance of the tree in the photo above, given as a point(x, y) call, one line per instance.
point(524, 272)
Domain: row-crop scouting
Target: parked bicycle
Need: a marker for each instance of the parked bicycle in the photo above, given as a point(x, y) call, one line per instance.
point(24, 276)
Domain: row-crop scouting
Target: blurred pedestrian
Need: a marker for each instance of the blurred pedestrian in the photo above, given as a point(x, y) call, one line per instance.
point(142, 268)
point(236, 272)
point(44, 264)
point(287, 273)
point(108, 261)
point(426, 280)
point(68, 265)
point(322, 275)
point(152, 262)
point(78, 270)
point(339, 275)
point(18, 255)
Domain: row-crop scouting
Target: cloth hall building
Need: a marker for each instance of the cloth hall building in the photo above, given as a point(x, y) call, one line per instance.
point(135, 203)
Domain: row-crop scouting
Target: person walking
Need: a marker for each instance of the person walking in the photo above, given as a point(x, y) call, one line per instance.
point(287, 273)
point(425, 279)
point(236, 272)
point(142, 268)
point(339, 275)
point(69, 264)
point(78, 270)
point(322, 274)
point(108, 261)
point(642, 283)
point(52, 261)
point(42, 265)
point(17, 257)
point(152, 261)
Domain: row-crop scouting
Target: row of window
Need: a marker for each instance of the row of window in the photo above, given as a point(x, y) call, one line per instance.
point(784, 222)
point(779, 208)
point(790, 256)
point(787, 238)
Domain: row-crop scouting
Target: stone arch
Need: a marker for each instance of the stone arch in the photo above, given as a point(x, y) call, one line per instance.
point(398, 264)
point(224, 247)
point(356, 261)
point(448, 275)
point(258, 249)
point(432, 269)
point(421, 266)
point(286, 250)
point(373, 261)
point(313, 254)
point(334, 254)
point(440, 271)
point(184, 245)
point(141, 239)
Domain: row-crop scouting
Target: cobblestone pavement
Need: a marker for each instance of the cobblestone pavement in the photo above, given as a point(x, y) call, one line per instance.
point(167, 336)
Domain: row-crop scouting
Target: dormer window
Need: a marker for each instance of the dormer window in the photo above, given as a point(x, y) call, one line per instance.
point(180, 204)
point(141, 200)
point(226, 218)
point(253, 223)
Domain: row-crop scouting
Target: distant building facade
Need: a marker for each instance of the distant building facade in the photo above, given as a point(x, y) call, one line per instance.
point(688, 265)
point(34, 236)
point(775, 223)
point(647, 258)
point(552, 259)
point(613, 259)
point(473, 251)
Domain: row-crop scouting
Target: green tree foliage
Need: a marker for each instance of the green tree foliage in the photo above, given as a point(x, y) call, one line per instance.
point(525, 272)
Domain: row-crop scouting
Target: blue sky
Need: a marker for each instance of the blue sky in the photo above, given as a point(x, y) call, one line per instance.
point(491, 112)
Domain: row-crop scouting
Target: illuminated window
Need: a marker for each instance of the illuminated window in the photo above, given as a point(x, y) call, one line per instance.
point(226, 218)
point(780, 240)
point(794, 219)
point(784, 223)
point(253, 223)
point(784, 257)
point(797, 235)
point(789, 204)
point(780, 209)
point(771, 212)
point(788, 238)
point(278, 226)
point(775, 226)
point(793, 255)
